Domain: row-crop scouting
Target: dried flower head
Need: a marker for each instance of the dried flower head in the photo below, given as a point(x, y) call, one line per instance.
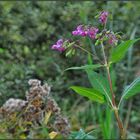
point(34, 82)
point(33, 110)
point(36, 90)
point(52, 106)
point(14, 105)
point(61, 125)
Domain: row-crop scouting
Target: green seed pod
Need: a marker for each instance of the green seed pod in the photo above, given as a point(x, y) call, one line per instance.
point(70, 44)
point(98, 36)
point(97, 42)
point(69, 53)
point(73, 51)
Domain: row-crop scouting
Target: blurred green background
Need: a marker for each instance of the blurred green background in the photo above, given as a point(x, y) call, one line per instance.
point(27, 31)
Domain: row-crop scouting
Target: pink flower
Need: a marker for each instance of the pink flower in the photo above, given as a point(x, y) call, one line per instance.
point(103, 17)
point(80, 30)
point(85, 31)
point(112, 39)
point(75, 33)
point(59, 42)
point(92, 32)
point(58, 46)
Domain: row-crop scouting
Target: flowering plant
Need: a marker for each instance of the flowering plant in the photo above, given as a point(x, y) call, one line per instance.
point(102, 90)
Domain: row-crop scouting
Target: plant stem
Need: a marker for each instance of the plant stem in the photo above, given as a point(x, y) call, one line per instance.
point(95, 56)
point(108, 76)
point(110, 85)
point(120, 124)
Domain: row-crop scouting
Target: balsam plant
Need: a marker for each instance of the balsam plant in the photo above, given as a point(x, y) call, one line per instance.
point(103, 90)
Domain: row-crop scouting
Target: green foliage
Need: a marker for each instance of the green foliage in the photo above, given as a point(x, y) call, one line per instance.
point(119, 52)
point(104, 117)
point(85, 67)
point(132, 89)
point(100, 83)
point(90, 93)
point(106, 121)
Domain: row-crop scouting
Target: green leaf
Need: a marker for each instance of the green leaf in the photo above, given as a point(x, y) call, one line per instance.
point(85, 67)
point(132, 89)
point(105, 120)
point(90, 93)
point(99, 83)
point(1, 50)
point(119, 52)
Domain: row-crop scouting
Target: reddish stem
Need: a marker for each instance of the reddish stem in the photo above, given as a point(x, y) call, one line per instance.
point(120, 124)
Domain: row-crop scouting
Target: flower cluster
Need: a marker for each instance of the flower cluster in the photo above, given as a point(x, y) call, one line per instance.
point(80, 30)
point(92, 32)
point(85, 31)
point(59, 45)
point(103, 17)
point(112, 39)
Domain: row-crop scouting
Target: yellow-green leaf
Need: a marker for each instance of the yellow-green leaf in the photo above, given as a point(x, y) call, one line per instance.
point(52, 135)
point(47, 116)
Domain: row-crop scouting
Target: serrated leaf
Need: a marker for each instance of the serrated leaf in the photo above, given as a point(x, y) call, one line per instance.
point(132, 89)
point(119, 52)
point(85, 67)
point(90, 93)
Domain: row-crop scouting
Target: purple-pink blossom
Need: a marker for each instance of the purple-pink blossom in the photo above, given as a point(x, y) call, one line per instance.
point(58, 46)
point(85, 31)
point(80, 30)
point(92, 32)
point(112, 39)
point(103, 17)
